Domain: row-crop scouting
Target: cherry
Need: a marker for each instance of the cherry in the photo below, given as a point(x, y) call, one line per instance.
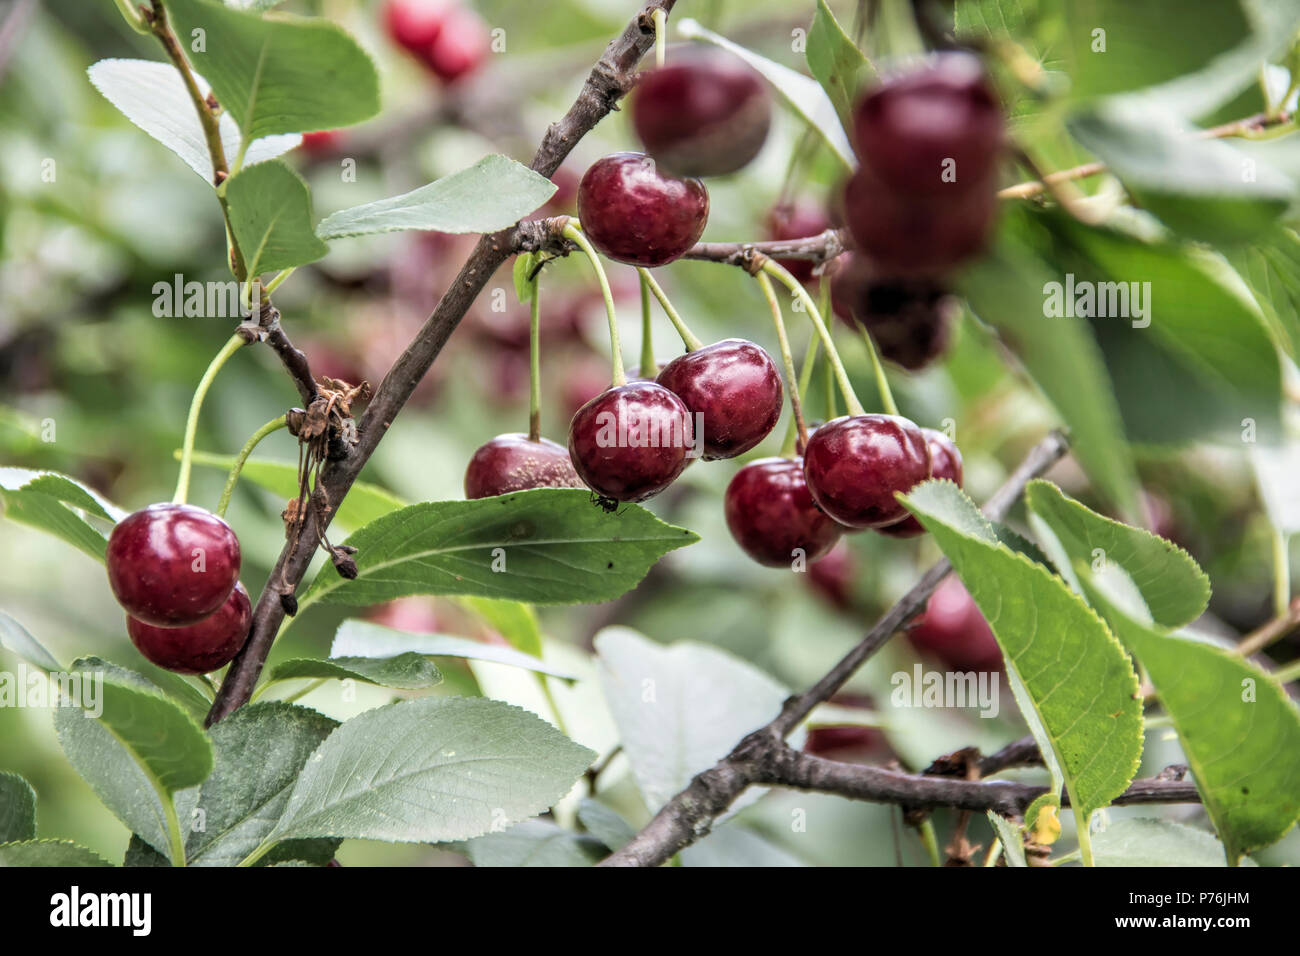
point(705, 113)
point(198, 648)
point(322, 142)
point(460, 47)
point(938, 129)
point(945, 462)
point(772, 516)
point(415, 614)
point(733, 389)
point(854, 465)
point(910, 320)
point(953, 630)
point(172, 565)
point(788, 221)
point(415, 24)
point(918, 235)
point(637, 215)
point(849, 741)
point(516, 463)
point(832, 576)
point(631, 442)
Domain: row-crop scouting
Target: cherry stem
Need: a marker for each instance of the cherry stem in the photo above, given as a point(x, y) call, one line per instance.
point(841, 376)
point(792, 443)
point(232, 346)
point(688, 337)
point(925, 830)
point(273, 425)
point(277, 280)
point(535, 364)
point(1281, 573)
point(573, 233)
point(792, 381)
point(661, 36)
point(648, 368)
point(828, 374)
point(882, 383)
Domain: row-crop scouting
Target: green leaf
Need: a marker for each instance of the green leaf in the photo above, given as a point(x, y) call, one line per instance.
point(14, 637)
point(409, 671)
point(513, 620)
point(364, 503)
point(284, 74)
point(358, 638)
point(835, 60)
point(48, 853)
point(1174, 588)
point(546, 546)
point(1141, 841)
point(17, 809)
point(152, 95)
point(1197, 186)
point(56, 504)
point(535, 843)
point(270, 214)
point(260, 751)
point(1275, 474)
point(804, 94)
point(681, 708)
point(139, 853)
point(1079, 679)
point(1270, 266)
point(430, 770)
point(605, 824)
point(494, 193)
point(1013, 844)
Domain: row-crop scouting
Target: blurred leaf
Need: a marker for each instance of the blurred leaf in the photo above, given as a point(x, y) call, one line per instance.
point(48, 853)
point(1275, 473)
point(17, 809)
point(54, 504)
point(152, 95)
point(1145, 842)
point(1271, 267)
point(357, 638)
point(605, 824)
point(839, 66)
point(804, 94)
point(409, 671)
point(431, 770)
point(513, 620)
point(494, 193)
point(546, 546)
point(284, 74)
point(257, 5)
point(734, 845)
point(270, 214)
point(1077, 675)
point(14, 637)
point(535, 843)
point(1013, 844)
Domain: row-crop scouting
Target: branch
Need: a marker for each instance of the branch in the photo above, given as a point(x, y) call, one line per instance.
point(688, 816)
point(611, 77)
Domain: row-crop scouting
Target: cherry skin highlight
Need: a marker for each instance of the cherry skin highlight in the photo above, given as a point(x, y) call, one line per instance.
point(515, 463)
point(172, 565)
point(631, 442)
point(772, 516)
point(945, 462)
point(635, 214)
point(854, 466)
point(197, 648)
point(734, 391)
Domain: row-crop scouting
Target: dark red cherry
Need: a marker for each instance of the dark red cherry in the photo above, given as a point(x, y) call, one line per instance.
point(945, 462)
point(734, 391)
point(854, 466)
point(705, 113)
point(910, 319)
point(460, 47)
point(938, 129)
point(638, 215)
point(631, 442)
point(953, 630)
point(796, 220)
point(172, 565)
point(848, 742)
point(832, 576)
point(415, 24)
point(515, 463)
point(772, 516)
point(918, 235)
point(197, 648)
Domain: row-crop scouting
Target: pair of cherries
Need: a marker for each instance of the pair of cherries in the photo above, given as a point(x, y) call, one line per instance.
point(446, 37)
point(174, 568)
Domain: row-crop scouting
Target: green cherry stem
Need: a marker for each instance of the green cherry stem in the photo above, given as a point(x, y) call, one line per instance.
point(233, 345)
point(278, 279)
point(791, 379)
point(792, 444)
point(882, 383)
point(573, 233)
point(273, 425)
point(647, 334)
point(661, 36)
point(688, 337)
point(841, 376)
point(828, 373)
point(1281, 573)
point(535, 363)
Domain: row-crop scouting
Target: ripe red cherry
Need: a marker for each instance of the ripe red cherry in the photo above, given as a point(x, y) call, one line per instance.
point(832, 576)
point(322, 142)
point(733, 389)
point(854, 465)
point(918, 235)
point(796, 221)
point(636, 214)
point(772, 516)
point(849, 742)
point(953, 630)
point(460, 47)
point(415, 24)
point(910, 320)
point(705, 113)
point(907, 129)
point(631, 442)
point(172, 565)
point(515, 463)
point(199, 648)
point(945, 462)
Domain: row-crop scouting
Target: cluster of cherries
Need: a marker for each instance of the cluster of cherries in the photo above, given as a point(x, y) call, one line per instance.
point(174, 568)
point(450, 40)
